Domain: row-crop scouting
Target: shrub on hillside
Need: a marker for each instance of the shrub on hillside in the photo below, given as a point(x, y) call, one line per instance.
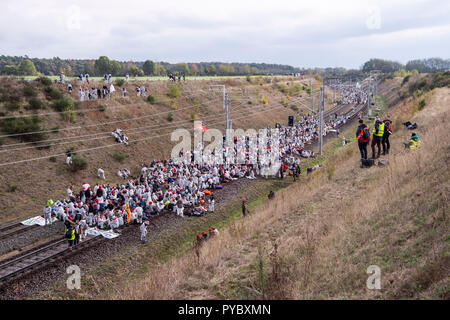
point(120, 157)
point(12, 106)
point(170, 116)
point(405, 80)
point(194, 115)
point(29, 91)
point(53, 94)
point(101, 108)
point(63, 104)
point(295, 108)
point(9, 97)
point(264, 100)
point(23, 125)
point(78, 163)
point(35, 104)
point(174, 91)
point(120, 82)
point(422, 104)
point(151, 99)
point(44, 80)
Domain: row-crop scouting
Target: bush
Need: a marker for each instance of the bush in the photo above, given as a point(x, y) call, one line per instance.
point(264, 100)
point(78, 163)
point(151, 99)
point(330, 172)
point(249, 79)
point(295, 108)
point(35, 104)
point(170, 116)
point(12, 106)
point(23, 125)
point(53, 94)
point(63, 104)
point(12, 188)
point(101, 108)
point(44, 80)
point(422, 104)
point(9, 97)
point(405, 80)
point(29, 91)
point(174, 91)
point(52, 159)
point(120, 82)
point(194, 115)
point(120, 157)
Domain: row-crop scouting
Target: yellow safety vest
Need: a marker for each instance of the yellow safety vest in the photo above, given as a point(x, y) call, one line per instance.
point(413, 144)
point(72, 235)
point(380, 130)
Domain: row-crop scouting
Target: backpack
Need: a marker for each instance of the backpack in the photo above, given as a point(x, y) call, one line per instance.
point(366, 133)
point(367, 162)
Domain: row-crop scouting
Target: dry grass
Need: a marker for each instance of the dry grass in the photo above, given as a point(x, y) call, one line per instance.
point(316, 239)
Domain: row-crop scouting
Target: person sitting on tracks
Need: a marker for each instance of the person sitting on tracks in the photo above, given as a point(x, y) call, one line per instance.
point(48, 214)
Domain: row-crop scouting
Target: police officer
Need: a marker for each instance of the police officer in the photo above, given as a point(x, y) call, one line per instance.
point(377, 135)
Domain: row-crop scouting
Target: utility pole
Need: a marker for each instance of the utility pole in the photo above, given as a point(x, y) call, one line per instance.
point(334, 88)
point(376, 82)
point(321, 103)
point(312, 94)
point(226, 104)
point(376, 88)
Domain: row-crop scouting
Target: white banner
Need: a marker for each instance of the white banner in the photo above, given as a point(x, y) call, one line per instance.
point(108, 234)
point(36, 220)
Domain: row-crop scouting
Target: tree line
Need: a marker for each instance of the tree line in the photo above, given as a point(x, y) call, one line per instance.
point(421, 65)
point(17, 65)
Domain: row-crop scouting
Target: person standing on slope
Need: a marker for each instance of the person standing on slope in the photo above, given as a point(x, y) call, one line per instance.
point(387, 132)
point(363, 137)
point(377, 135)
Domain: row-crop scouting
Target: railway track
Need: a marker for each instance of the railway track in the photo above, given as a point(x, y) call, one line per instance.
point(14, 228)
point(36, 258)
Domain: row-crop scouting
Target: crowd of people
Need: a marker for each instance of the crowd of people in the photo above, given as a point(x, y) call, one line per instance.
point(350, 94)
point(186, 186)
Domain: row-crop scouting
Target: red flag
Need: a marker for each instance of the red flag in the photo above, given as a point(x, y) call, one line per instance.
point(200, 127)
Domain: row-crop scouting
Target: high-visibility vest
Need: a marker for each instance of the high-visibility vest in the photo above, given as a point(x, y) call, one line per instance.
point(72, 235)
point(413, 144)
point(380, 129)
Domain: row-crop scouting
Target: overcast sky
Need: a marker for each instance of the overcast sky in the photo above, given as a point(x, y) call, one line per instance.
point(312, 33)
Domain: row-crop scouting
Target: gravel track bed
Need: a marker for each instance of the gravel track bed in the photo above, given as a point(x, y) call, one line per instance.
point(30, 284)
point(16, 242)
